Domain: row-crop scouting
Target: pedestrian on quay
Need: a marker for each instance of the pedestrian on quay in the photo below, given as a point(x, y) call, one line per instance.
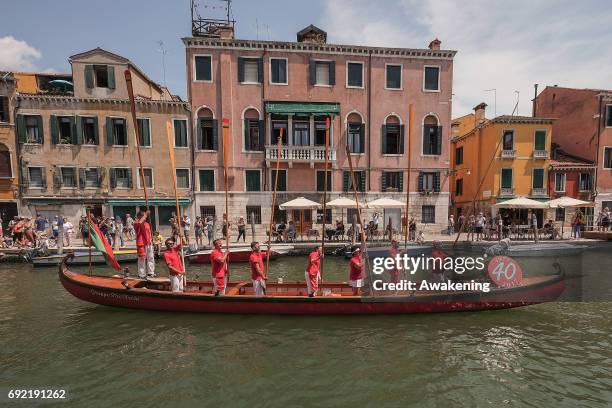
point(41, 223)
point(479, 223)
point(313, 271)
point(451, 224)
point(218, 263)
point(186, 224)
point(157, 240)
point(172, 257)
point(130, 231)
point(144, 245)
point(68, 229)
point(356, 272)
point(258, 274)
point(119, 234)
point(605, 219)
point(225, 227)
point(241, 229)
point(412, 227)
point(210, 229)
point(577, 223)
point(198, 229)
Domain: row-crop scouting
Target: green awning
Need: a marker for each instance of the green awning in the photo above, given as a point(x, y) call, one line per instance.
point(303, 108)
point(162, 202)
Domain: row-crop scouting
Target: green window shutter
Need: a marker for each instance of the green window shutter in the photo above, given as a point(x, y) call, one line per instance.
point(540, 140)
point(247, 141)
point(215, 130)
point(538, 178)
point(41, 133)
point(506, 178)
point(110, 140)
point(362, 138)
point(401, 141)
point(89, 77)
point(332, 73)
point(437, 182)
point(44, 177)
point(260, 70)
point(345, 180)
point(401, 181)
point(54, 129)
point(200, 134)
point(75, 136)
point(439, 140)
point(313, 72)
point(82, 178)
point(113, 178)
point(362, 180)
point(21, 131)
point(384, 183)
point(240, 69)
point(96, 134)
point(111, 76)
point(129, 178)
point(383, 138)
point(420, 183)
point(262, 137)
point(78, 131)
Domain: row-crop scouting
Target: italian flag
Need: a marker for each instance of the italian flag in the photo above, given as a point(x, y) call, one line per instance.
point(101, 244)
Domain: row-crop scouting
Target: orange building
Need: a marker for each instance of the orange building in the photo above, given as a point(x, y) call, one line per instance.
point(8, 164)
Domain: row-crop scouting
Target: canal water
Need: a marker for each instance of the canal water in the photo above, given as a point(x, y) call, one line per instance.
point(551, 355)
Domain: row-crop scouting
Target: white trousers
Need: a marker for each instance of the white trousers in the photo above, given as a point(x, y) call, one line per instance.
point(259, 287)
point(176, 283)
point(307, 278)
point(146, 265)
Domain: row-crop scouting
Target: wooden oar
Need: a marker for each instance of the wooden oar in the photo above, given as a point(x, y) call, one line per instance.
point(410, 126)
point(327, 125)
point(226, 150)
point(279, 145)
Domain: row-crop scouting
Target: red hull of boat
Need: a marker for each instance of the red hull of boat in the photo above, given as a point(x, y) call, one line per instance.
point(235, 256)
point(545, 291)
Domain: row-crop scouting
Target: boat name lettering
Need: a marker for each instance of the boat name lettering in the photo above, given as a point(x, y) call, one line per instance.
point(114, 295)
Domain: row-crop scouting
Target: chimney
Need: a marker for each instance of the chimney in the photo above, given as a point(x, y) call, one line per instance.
point(226, 32)
point(435, 44)
point(454, 129)
point(479, 114)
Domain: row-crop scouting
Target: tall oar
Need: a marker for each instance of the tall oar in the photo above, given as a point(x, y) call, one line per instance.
point(89, 236)
point(226, 149)
point(176, 197)
point(364, 249)
point(327, 125)
point(128, 81)
point(279, 145)
point(410, 126)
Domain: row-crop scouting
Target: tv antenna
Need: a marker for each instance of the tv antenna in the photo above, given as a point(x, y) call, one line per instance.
point(163, 51)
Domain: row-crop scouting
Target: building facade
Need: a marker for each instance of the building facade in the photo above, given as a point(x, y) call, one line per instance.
point(583, 129)
point(498, 159)
point(265, 87)
point(77, 145)
point(8, 160)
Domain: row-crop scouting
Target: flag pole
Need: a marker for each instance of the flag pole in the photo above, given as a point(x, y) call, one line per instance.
point(128, 81)
point(410, 126)
point(89, 237)
point(226, 141)
point(327, 126)
point(278, 157)
point(176, 198)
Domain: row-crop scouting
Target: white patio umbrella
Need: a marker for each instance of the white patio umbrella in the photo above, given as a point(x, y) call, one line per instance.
point(565, 202)
point(343, 202)
point(301, 204)
point(382, 203)
point(521, 202)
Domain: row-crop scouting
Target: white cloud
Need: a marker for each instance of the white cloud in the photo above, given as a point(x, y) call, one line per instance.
point(508, 46)
point(16, 55)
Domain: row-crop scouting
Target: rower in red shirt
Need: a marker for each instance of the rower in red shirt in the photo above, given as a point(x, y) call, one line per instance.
point(144, 246)
point(313, 271)
point(356, 272)
point(218, 262)
point(258, 275)
point(172, 256)
point(393, 252)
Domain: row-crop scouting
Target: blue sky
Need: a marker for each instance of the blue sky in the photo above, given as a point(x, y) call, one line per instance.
point(508, 46)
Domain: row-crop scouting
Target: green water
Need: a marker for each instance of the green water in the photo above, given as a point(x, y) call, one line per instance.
point(551, 355)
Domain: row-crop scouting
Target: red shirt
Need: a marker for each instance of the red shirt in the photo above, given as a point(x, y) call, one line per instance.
point(173, 259)
point(254, 260)
point(143, 233)
point(314, 263)
point(436, 253)
point(218, 268)
point(356, 270)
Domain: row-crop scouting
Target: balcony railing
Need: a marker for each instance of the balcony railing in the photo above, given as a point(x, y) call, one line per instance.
point(540, 154)
point(300, 153)
point(538, 192)
point(506, 191)
point(508, 154)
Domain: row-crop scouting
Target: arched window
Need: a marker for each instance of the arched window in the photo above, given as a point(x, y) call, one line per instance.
point(392, 136)
point(355, 133)
point(6, 169)
point(253, 131)
point(432, 136)
point(207, 129)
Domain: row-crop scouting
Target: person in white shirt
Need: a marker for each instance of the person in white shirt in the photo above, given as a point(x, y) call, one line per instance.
point(479, 223)
point(68, 230)
point(186, 227)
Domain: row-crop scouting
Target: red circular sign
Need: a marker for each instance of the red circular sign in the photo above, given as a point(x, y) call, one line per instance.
point(505, 272)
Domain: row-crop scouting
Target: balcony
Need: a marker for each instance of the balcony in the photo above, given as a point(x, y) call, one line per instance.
point(506, 191)
point(508, 154)
point(300, 154)
point(538, 192)
point(540, 154)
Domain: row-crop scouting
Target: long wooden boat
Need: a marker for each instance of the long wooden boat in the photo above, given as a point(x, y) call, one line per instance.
point(240, 254)
point(290, 297)
point(82, 258)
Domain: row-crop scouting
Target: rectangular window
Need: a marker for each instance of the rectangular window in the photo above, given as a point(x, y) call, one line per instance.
point(65, 127)
point(253, 134)
point(321, 180)
point(428, 214)
point(280, 215)
point(431, 80)
point(249, 70)
point(68, 177)
point(506, 178)
point(4, 109)
point(585, 182)
point(6, 168)
point(203, 67)
point(89, 128)
point(253, 214)
point(607, 161)
point(560, 214)
point(323, 69)
point(122, 178)
point(278, 71)
point(207, 134)
point(360, 181)
point(207, 211)
point(279, 122)
point(101, 76)
point(182, 178)
point(148, 175)
point(351, 216)
point(253, 180)
point(560, 182)
point(301, 133)
point(508, 140)
point(282, 180)
point(392, 181)
point(118, 131)
point(432, 139)
point(320, 130)
point(36, 176)
point(393, 77)
point(459, 155)
point(538, 178)
point(429, 181)
point(608, 115)
point(393, 139)
point(144, 130)
point(354, 74)
point(33, 129)
point(540, 140)
point(91, 178)
point(355, 136)
point(207, 180)
point(180, 133)
point(459, 187)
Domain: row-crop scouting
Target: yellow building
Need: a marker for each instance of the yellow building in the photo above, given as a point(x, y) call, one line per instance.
point(494, 160)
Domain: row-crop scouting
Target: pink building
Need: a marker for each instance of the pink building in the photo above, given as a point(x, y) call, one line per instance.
point(265, 86)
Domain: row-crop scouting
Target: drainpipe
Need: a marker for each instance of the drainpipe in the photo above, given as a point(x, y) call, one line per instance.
point(194, 141)
point(263, 110)
point(599, 120)
point(369, 142)
point(535, 96)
